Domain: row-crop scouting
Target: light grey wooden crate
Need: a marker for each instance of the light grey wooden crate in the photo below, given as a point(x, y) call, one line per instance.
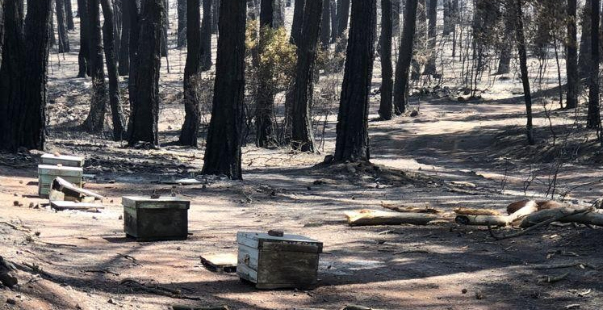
point(47, 173)
point(64, 160)
point(273, 262)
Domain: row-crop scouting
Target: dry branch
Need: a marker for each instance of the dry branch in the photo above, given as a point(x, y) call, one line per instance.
point(565, 215)
point(497, 220)
point(373, 217)
point(157, 290)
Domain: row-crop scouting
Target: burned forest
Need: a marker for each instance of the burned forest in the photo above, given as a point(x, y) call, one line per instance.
point(301, 154)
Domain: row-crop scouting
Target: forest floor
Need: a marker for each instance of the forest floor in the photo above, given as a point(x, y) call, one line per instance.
point(453, 154)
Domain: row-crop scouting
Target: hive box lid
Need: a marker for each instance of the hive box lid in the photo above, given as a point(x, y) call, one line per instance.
point(145, 202)
point(70, 160)
point(45, 168)
point(257, 239)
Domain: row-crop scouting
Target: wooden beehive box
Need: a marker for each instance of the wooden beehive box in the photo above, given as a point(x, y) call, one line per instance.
point(63, 160)
point(47, 174)
point(290, 261)
point(163, 218)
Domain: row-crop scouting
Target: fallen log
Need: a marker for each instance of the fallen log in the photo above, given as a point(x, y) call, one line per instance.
point(498, 220)
point(565, 215)
point(373, 217)
point(412, 208)
point(71, 191)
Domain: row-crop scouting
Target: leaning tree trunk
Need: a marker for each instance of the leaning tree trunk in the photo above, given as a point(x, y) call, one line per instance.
point(192, 75)
point(585, 42)
point(385, 108)
point(62, 26)
point(265, 100)
point(114, 99)
point(182, 14)
point(124, 45)
point(98, 103)
point(430, 67)
point(224, 136)
point(69, 12)
point(302, 135)
point(594, 116)
point(405, 56)
point(572, 56)
point(523, 64)
point(352, 122)
point(32, 123)
point(144, 99)
point(296, 26)
point(84, 53)
point(206, 35)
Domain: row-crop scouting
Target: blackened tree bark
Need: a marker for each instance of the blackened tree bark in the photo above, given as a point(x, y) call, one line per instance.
point(182, 14)
point(144, 97)
point(447, 29)
point(166, 26)
point(352, 122)
point(117, 24)
point(572, 56)
point(504, 63)
point(333, 5)
point(432, 13)
point(83, 55)
point(523, 64)
point(192, 74)
point(396, 10)
point(124, 45)
point(343, 16)
point(420, 39)
point(298, 16)
point(134, 12)
point(585, 42)
point(265, 99)
point(69, 15)
point(215, 16)
point(1, 30)
point(206, 35)
point(98, 103)
point(53, 39)
point(224, 137)
point(405, 56)
point(594, 115)
point(117, 115)
point(302, 135)
point(325, 27)
point(62, 26)
point(252, 9)
point(385, 108)
point(278, 14)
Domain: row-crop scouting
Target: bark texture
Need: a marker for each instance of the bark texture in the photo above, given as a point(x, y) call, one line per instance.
point(405, 57)
point(83, 55)
point(298, 16)
point(62, 26)
point(594, 115)
point(572, 56)
point(523, 64)
point(386, 107)
point(206, 35)
point(98, 103)
point(124, 44)
point(192, 74)
point(265, 96)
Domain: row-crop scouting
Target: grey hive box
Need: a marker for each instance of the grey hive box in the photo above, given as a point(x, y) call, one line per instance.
point(64, 160)
point(47, 174)
point(271, 262)
point(149, 219)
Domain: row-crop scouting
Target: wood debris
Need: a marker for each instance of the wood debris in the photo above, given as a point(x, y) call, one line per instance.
point(373, 217)
point(71, 191)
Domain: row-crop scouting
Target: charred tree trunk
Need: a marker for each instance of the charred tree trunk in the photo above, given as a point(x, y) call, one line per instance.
point(447, 29)
point(206, 35)
point(396, 10)
point(386, 107)
point(1, 32)
point(430, 68)
point(302, 135)
point(594, 115)
point(144, 99)
point(298, 16)
point(278, 14)
point(98, 103)
point(62, 26)
point(117, 25)
point(265, 100)
point(224, 137)
point(192, 74)
point(343, 16)
point(572, 56)
point(166, 26)
point(114, 99)
point(523, 64)
point(134, 13)
point(83, 55)
point(405, 56)
point(182, 22)
point(504, 64)
point(352, 122)
point(420, 42)
point(333, 8)
point(215, 16)
point(585, 42)
point(53, 39)
point(69, 15)
point(124, 45)
point(325, 27)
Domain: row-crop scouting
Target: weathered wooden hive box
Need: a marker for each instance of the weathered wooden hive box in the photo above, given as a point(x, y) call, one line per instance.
point(63, 160)
point(290, 261)
point(163, 218)
point(47, 173)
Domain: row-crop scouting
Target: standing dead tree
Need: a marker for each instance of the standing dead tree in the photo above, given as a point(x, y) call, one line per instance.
point(405, 57)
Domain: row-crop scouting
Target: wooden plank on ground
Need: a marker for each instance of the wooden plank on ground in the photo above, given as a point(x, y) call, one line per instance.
point(226, 262)
point(80, 206)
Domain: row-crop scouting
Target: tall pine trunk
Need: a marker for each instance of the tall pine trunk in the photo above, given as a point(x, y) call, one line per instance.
point(265, 99)
point(594, 115)
point(385, 108)
point(69, 15)
point(430, 68)
point(84, 53)
point(302, 135)
point(1, 30)
point(62, 26)
point(98, 103)
point(523, 64)
point(504, 63)
point(124, 45)
point(224, 137)
point(352, 122)
point(343, 16)
point(325, 27)
point(585, 42)
point(206, 35)
point(572, 56)
point(134, 12)
point(144, 99)
point(192, 75)
point(182, 15)
point(278, 14)
point(333, 8)
point(405, 56)
point(298, 16)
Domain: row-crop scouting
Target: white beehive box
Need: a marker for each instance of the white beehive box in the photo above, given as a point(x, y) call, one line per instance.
point(47, 173)
point(64, 160)
point(290, 261)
